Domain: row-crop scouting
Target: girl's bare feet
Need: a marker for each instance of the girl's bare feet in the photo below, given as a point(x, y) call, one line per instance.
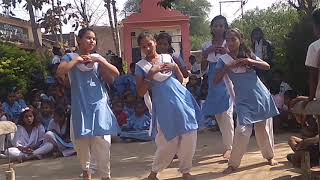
point(187, 176)
point(86, 175)
point(229, 170)
point(152, 176)
point(272, 162)
point(227, 154)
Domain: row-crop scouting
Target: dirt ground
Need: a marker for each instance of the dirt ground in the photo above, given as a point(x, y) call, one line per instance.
point(132, 161)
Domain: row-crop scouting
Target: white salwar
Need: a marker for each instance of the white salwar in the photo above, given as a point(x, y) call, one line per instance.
point(183, 146)
point(264, 136)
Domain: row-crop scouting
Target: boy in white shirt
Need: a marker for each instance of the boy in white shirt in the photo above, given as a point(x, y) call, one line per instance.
point(313, 60)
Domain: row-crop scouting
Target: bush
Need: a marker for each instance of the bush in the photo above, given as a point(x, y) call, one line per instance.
point(19, 68)
point(296, 47)
point(277, 23)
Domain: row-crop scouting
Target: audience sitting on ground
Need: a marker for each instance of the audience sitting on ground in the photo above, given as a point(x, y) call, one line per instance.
point(28, 138)
point(137, 128)
point(125, 83)
point(58, 135)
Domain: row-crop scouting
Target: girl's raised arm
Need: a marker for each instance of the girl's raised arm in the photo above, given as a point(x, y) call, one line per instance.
point(108, 71)
point(66, 66)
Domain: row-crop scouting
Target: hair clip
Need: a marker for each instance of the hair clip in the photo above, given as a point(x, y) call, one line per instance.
point(25, 109)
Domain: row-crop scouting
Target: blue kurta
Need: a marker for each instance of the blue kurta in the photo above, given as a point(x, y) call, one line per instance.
point(13, 111)
point(139, 123)
point(218, 99)
point(253, 101)
point(137, 128)
point(22, 104)
point(91, 114)
point(173, 106)
point(124, 83)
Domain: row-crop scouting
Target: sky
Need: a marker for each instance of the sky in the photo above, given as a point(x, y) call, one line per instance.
point(229, 10)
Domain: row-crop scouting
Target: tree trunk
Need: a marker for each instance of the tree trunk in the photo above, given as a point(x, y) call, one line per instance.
point(108, 6)
point(118, 48)
point(306, 6)
point(34, 25)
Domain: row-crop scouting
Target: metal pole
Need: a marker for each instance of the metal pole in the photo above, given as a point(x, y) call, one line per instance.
point(220, 8)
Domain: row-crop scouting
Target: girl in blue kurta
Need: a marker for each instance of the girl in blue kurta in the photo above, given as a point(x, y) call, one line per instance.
point(92, 119)
point(218, 102)
point(164, 46)
point(254, 104)
point(174, 110)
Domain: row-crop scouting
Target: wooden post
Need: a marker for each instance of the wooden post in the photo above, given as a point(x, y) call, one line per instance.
point(10, 174)
point(305, 165)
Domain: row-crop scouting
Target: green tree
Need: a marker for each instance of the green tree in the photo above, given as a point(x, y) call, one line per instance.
point(198, 10)
point(19, 68)
point(276, 22)
point(296, 47)
point(304, 6)
point(30, 6)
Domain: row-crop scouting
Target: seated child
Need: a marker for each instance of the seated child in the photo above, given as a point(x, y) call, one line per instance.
point(59, 133)
point(46, 114)
point(122, 117)
point(28, 138)
point(129, 81)
point(196, 67)
point(194, 86)
point(130, 101)
point(138, 125)
point(11, 107)
point(19, 98)
point(35, 99)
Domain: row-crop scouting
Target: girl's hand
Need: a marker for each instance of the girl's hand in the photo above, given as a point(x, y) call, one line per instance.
point(211, 49)
point(219, 76)
point(235, 64)
point(154, 69)
point(246, 62)
point(96, 58)
point(79, 60)
point(86, 59)
point(221, 50)
point(26, 150)
point(169, 67)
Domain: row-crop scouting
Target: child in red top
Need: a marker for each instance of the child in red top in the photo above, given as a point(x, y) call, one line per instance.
point(118, 111)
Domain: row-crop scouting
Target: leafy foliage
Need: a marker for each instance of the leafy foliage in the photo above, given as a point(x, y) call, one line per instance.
point(296, 47)
point(276, 22)
point(19, 68)
point(52, 20)
point(166, 3)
